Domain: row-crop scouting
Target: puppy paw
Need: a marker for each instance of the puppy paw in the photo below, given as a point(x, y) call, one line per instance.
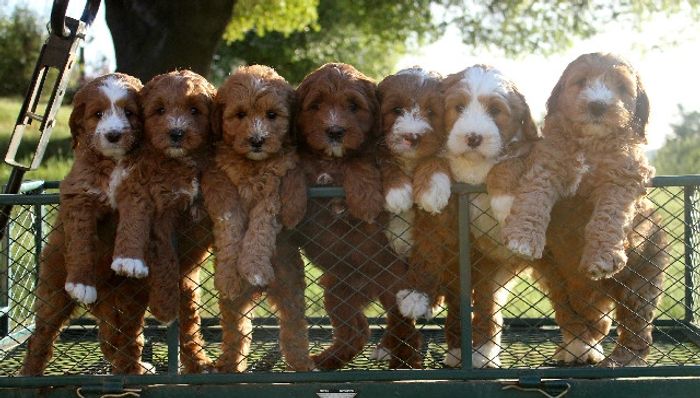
point(83, 293)
point(324, 179)
point(599, 264)
point(487, 356)
point(257, 271)
point(435, 197)
point(528, 246)
point(131, 267)
point(624, 357)
point(414, 304)
point(579, 352)
point(500, 206)
point(399, 200)
point(380, 354)
point(453, 358)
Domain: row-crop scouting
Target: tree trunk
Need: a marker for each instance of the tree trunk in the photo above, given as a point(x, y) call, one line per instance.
point(153, 37)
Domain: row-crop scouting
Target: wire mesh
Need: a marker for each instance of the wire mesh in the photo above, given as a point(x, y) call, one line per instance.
point(531, 336)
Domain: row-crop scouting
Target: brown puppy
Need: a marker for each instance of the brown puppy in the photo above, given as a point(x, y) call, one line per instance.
point(489, 128)
point(595, 128)
point(106, 125)
point(591, 164)
point(338, 127)
point(411, 108)
point(254, 189)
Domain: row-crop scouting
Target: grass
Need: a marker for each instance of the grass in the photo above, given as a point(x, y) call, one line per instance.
point(525, 301)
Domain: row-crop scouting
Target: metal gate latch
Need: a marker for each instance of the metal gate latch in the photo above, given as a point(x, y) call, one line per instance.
point(550, 389)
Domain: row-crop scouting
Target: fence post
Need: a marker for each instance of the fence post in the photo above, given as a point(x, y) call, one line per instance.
point(173, 342)
point(465, 290)
point(691, 241)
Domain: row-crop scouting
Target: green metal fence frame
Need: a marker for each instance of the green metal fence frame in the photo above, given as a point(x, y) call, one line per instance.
point(462, 380)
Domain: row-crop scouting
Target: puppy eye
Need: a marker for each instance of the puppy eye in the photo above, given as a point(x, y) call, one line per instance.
point(580, 82)
point(127, 113)
point(241, 115)
point(459, 108)
point(194, 111)
point(315, 106)
point(494, 111)
point(430, 112)
point(98, 114)
point(397, 110)
point(623, 89)
point(160, 111)
point(353, 107)
point(271, 115)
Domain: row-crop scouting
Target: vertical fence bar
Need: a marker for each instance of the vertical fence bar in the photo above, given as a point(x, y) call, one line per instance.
point(5, 261)
point(173, 333)
point(465, 284)
point(691, 239)
point(38, 230)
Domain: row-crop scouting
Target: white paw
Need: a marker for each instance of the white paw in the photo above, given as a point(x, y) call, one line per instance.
point(131, 267)
point(400, 234)
point(487, 356)
point(578, 351)
point(521, 248)
point(500, 206)
point(148, 368)
point(436, 197)
point(324, 179)
point(453, 357)
point(414, 304)
point(399, 200)
point(380, 354)
point(82, 293)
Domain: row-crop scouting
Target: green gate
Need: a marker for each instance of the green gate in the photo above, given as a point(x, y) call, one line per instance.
point(530, 336)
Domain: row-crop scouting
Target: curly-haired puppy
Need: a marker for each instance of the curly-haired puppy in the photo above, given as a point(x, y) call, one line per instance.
point(590, 173)
point(254, 189)
point(106, 125)
point(338, 127)
point(594, 129)
point(489, 128)
point(158, 201)
point(411, 109)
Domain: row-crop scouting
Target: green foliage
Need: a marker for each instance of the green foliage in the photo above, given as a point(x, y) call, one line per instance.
point(681, 152)
point(264, 16)
point(22, 36)
point(371, 35)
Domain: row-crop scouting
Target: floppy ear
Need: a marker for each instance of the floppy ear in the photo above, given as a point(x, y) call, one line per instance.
point(553, 99)
point(75, 122)
point(528, 126)
point(215, 120)
point(641, 111)
point(291, 98)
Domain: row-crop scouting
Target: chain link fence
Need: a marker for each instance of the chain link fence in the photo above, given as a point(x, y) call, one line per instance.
point(531, 337)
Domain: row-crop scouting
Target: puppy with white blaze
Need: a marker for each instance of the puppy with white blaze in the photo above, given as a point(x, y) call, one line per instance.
point(489, 130)
point(411, 111)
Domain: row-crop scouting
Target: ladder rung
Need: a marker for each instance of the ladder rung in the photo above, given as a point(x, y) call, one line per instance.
point(35, 116)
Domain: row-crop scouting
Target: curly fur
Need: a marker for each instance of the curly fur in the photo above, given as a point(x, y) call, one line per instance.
point(588, 176)
point(338, 117)
point(255, 169)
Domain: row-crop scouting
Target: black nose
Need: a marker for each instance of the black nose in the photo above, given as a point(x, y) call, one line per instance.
point(474, 140)
point(113, 136)
point(597, 108)
point(256, 142)
point(335, 133)
point(176, 135)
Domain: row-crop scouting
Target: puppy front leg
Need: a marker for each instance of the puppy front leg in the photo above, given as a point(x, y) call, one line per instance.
point(258, 246)
point(165, 271)
point(363, 189)
point(294, 197)
point(432, 185)
point(605, 234)
point(398, 188)
point(525, 228)
point(80, 226)
point(133, 233)
point(502, 184)
point(228, 220)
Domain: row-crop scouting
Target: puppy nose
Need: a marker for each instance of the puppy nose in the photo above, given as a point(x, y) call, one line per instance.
point(113, 136)
point(335, 133)
point(597, 108)
point(256, 142)
point(474, 140)
point(176, 135)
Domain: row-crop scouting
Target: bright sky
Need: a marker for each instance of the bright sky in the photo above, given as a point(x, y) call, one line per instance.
point(669, 71)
